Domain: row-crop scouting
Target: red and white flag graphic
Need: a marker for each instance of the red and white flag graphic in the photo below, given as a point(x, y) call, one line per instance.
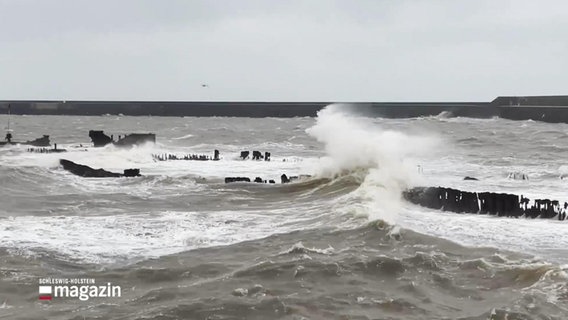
point(44, 292)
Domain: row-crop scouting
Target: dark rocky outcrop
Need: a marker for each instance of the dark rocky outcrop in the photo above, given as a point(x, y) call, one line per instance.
point(131, 172)
point(100, 139)
point(283, 179)
point(88, 172)
point(135, 139)
point(236, 179)
point(256, 155)
point(471, 178)
point(245, 179)
point(39, 142)
point(500, 204)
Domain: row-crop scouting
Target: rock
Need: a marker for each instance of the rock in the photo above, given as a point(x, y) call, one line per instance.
point(471, 178)
point(39, 142)
point(236, 179)
point(132, 172)
point(88, 172)
point(135, 139)
point(100, 139)
point(256, 155)
point(283, 179)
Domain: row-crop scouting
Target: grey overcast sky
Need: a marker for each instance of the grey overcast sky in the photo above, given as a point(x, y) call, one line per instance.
point(352, 50)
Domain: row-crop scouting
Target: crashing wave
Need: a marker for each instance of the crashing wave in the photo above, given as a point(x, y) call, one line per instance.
point(383, 160)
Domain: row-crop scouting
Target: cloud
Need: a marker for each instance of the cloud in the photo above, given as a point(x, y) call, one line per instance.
point(282, 51)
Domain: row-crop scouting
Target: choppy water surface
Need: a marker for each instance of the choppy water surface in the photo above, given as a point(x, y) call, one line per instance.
point(182, 244)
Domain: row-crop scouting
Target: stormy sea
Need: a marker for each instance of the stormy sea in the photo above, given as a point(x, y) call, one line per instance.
point(340, 242)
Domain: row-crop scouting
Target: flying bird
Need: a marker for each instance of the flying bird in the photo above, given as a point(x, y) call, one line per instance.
point(205, 85)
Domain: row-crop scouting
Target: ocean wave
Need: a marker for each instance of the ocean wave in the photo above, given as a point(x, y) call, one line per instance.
point(414, 276)
point(187, 136)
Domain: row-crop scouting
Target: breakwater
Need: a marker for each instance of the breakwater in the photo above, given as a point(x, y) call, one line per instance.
point(500, 204)
point(540, 108)
point(166, 108)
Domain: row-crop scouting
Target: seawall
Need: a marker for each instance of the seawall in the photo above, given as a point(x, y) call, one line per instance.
point(241, 109)
point(166, 108)
point(540, 108)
